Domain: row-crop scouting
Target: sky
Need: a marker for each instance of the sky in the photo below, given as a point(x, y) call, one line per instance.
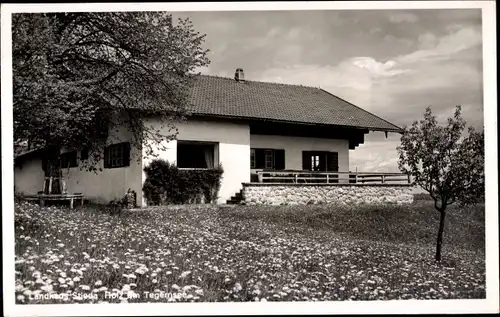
point(393, 63)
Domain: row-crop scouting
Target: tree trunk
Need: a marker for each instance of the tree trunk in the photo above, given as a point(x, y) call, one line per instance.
point(440, 235)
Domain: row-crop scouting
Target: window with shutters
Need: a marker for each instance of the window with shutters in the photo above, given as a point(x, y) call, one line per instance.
point(117, 155)
point(269, 159)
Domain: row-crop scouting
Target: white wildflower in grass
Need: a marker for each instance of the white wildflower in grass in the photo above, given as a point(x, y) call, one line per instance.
point(175, 287)
point(237, 287)
point(116, 266)
point(168, 272)
point(199, 292)
point(141, 270)
point(85, 287)
point(185, 274)
point(61, 280)
point(98, 283)
point(126, 288)
point(47, 288)
point(60, 245)
point(20, 298)
point(154, 281)
point(76, 279)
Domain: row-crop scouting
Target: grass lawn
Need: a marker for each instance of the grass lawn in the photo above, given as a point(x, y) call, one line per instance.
point(253, 253)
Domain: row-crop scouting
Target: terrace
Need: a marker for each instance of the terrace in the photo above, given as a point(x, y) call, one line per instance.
point(318, 187)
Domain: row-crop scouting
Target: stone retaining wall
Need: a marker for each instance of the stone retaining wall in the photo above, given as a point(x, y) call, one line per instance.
point(294, 194)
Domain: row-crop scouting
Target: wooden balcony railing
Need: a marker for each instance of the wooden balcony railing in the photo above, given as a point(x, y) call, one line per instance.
point(305, 177)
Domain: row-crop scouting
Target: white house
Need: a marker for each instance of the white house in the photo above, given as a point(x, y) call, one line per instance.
point(247, 126)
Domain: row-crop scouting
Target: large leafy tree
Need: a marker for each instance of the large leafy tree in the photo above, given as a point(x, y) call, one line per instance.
point(445, 162)
point(74, 71)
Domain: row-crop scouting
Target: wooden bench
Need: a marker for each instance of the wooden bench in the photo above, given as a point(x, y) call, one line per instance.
point(57, 197)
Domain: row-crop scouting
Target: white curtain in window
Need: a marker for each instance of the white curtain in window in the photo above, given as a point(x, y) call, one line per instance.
point(209, 157)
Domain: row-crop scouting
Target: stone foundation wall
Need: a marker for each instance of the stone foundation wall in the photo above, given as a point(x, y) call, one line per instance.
point(294, 194)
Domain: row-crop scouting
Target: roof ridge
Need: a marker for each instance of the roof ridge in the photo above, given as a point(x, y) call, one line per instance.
point(261, 82)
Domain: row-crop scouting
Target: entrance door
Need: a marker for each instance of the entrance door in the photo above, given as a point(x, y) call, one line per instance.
point(320, 161)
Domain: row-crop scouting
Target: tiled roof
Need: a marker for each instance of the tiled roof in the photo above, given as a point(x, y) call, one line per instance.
point(226, 97)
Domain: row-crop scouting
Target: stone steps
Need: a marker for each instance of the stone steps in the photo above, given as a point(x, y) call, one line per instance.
point(236, 199)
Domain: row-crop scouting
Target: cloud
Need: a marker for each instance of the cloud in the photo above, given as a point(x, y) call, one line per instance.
point(378, 69)
point(375, 155)
point(399, 17)
point(427, 40)
point(446, 46)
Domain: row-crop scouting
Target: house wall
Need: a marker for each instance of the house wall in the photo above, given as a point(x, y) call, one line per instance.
point(29, 176)
point(294, 146)
point(110, 183)
point(232, 151)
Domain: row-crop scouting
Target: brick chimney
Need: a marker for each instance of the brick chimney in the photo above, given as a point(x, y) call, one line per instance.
point(239, 75)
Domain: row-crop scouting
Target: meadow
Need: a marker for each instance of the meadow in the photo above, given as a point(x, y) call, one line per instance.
point(246, 253)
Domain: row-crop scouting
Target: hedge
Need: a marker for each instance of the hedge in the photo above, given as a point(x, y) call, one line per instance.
point(167, 184)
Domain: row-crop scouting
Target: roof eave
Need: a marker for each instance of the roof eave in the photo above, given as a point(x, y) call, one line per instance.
point(199, 114)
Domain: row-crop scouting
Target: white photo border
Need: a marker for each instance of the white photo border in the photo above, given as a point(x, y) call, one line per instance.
point(488, 305)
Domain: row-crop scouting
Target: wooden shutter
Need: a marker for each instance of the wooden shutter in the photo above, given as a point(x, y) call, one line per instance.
point(279, 159)
point(333, 161)
point(106, 157)
point(84, 154)
point(126, 154)
point(259, 158)
point(306, 161)
point(73, 162)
